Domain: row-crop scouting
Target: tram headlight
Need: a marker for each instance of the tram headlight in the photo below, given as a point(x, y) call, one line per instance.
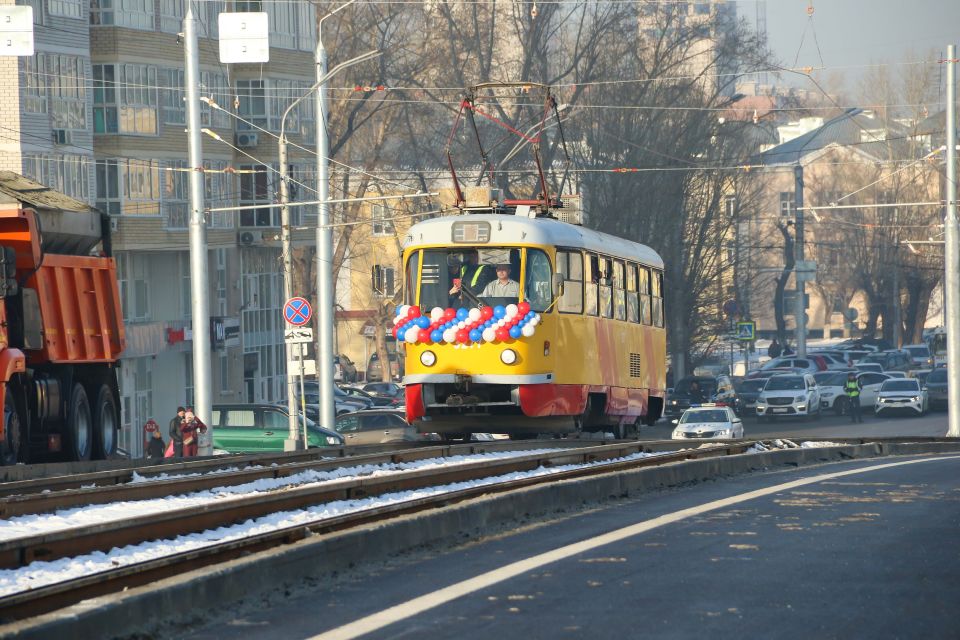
point(428, 358)
point(508, 356)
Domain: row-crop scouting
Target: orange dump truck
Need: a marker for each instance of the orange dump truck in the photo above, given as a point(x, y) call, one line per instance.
point(61, 333)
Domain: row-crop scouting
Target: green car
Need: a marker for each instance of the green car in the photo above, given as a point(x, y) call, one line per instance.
point(243, 428)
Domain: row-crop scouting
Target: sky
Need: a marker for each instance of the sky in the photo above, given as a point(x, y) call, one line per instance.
point(852, 33)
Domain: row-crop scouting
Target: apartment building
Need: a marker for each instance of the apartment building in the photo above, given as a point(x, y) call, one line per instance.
point(98, 113)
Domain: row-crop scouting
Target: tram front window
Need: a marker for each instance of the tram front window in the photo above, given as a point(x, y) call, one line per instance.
point(466, 276)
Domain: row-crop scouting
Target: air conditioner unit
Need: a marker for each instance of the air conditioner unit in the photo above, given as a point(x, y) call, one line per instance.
point(61, 136)
point(246, 140)
point(247, 238)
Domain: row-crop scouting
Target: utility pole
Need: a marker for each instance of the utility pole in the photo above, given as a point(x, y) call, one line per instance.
point(951, 288)
point(801, 306)
point(897, 312)
point(293, 442)
point(200, 308)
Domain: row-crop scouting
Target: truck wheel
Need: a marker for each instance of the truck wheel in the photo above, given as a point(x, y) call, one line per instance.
point(79, 435)
point(12, 429)
point(105, 423)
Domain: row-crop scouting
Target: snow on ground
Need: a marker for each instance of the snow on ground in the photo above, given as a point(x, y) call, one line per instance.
point(39, 574)
point(35, 524)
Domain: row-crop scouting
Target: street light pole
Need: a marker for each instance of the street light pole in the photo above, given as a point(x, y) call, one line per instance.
point(293, 441)
point(951, 287)
point(801, 306)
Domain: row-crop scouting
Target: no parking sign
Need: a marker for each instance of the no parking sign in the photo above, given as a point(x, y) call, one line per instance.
point(297, 311)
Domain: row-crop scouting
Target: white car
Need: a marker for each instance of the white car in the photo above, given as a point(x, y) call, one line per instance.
point(833, 397)
point(708, 421)
point(920, 354)
point(789, 395)
point(902, 394)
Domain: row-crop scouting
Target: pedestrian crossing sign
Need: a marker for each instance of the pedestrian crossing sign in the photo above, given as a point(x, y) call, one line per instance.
point(746, 330)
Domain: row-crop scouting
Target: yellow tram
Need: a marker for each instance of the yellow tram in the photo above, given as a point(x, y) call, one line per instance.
point(530, 325)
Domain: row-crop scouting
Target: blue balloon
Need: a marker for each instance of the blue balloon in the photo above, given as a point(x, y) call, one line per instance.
point(398, 310)
point(499, 311)
point(475, 335)
point(462, 314)
point(400, 334)
point(530, 315)
point(423, 322)
point(436, 335)
point(515, 332)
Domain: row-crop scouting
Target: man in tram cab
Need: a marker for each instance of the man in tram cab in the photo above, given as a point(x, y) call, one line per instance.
point(472, 274)
point(503, 286)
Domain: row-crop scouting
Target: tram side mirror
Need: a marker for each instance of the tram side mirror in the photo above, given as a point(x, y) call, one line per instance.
point(558, 283)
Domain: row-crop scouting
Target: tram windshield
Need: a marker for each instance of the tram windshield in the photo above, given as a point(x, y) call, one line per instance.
point(471, 276)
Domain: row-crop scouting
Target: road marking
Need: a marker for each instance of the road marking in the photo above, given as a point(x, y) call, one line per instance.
point(416, 606)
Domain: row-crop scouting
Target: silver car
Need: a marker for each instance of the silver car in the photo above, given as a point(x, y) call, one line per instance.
point(902, 394)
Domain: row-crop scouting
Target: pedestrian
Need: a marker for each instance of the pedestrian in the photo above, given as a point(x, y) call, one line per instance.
point(696, 393)
point(191, 428)
point(149, 429)
point(176, 435)
point(787, 350)
point(852, 388)
point(155, 448)
point(774, 349)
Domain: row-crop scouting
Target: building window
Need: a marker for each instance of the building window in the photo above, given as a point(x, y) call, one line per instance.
point(133, 273)
point(33, 83)
point(66, 8)
point(172, 107)
point(171, 15)
point(256, 188)
point(101, 12)
point(225, 386)
point(141, 187)
point(175, 178)
point(67, 80)
point(730, 207)
point(108, 187)
point(186, 293)
point(383, 281)
point(283, 24)
point(67, 173)
point(253, 103)
point(382, 220)
point(133, 108)
point(37, 9)
point(788, 204)
point(219, 191)
point(220, 256)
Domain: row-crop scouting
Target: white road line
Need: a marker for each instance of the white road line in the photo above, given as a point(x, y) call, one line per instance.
point(410, 608)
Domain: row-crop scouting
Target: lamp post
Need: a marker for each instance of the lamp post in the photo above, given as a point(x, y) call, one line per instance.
point(325, 301)
point(292, 443)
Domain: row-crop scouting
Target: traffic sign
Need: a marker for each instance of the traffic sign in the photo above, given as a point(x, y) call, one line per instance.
point(302, 367)
point(747, 330)
point(300, 335)
point(297, 311)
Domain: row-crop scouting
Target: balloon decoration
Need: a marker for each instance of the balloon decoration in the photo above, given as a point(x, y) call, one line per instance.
point(464, 326)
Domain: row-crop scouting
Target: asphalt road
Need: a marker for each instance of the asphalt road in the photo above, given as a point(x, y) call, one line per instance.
point(830, 426)
point(802, 553)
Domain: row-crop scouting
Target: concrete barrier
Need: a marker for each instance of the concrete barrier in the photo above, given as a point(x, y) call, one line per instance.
point(213, 588)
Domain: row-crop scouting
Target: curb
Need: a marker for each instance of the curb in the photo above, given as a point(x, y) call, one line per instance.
point(210, 588)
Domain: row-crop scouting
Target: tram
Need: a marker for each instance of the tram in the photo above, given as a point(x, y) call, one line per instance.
point(575, 343)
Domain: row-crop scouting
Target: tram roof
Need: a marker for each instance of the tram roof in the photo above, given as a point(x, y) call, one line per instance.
point(507, 229)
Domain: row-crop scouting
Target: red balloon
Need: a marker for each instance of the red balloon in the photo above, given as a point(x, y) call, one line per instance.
point(523, 309)
point(449, 314)
point(394, 330)
point(423, 336)
point(414, 312)
point(503, 334)
point(487, 312)
point(463, 336)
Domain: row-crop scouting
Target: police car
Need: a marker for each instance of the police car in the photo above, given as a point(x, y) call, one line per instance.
point(708, 420)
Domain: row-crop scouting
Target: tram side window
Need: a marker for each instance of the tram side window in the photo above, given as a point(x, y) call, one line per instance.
point(606, 287)
point(570, 264)
point(591, 284)
point(411, 278)
point(619, 295)
point(537, 288)
point(645, 316)
point(657, 283)
point(633, 299)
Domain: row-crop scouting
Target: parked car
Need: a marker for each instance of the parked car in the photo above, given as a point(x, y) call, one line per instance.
point(893, 360)
point(810, 364)
point(377, 426)
point(385, 390)
point(835, 360)
point(343, 369)
point(869, 366)
point(684, 393)
point(748, 391)
point(789, 395)
point(378, 401)
point(854, 356)
point(902, 395)
point(708, 421)
point(936, 384)
point(767, 373)
point(920, 354)
point(834, 398)
point(312, 389)
point(252, 428)
point(374, 373)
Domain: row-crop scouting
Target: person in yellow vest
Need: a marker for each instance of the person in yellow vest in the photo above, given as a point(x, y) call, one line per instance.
point(852, 389)
point(475, 276)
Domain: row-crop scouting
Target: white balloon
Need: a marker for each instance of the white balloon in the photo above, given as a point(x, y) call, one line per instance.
point(397, 319)
point(404, 309)
point(412, 335)
point(501, 322)
point(461, 325)
point(450, 335)
point(489, 335)
point(528, 330)
point(511, 310)
point(436, 313)
point(474, 314)
point(534, 321)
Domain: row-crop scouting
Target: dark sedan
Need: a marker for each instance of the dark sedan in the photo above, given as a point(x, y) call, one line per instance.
point(378, 401)
point(937, 388)
point(748, 391)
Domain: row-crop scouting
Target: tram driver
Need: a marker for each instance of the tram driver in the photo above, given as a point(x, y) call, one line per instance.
point(503, 286)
